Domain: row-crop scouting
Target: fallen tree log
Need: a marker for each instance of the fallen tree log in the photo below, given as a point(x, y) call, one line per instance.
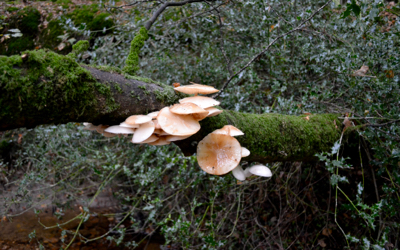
point(41, 87)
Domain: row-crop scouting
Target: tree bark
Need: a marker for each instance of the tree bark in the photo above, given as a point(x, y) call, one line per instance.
point(42, 87)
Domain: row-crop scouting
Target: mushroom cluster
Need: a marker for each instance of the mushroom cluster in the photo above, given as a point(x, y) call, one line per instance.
point(220, 153)
point(173, 123)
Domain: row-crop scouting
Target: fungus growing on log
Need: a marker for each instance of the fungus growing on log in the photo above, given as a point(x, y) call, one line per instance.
point(219, 153)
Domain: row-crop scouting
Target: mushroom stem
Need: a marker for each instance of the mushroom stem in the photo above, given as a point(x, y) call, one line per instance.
point(238, 173)
point(247, 172)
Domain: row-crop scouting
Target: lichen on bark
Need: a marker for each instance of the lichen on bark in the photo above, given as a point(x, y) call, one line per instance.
point(132, 62)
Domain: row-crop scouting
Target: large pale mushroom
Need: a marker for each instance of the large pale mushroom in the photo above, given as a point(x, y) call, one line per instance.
point(218, 154)
point(175, 124)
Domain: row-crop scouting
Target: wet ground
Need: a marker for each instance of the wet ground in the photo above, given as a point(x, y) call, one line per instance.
point(15, 232)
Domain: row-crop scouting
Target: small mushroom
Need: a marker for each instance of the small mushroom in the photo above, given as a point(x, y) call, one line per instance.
point(153, 114)
point(259, 170)
point(228, 130)
point(201, 101)
point(196, 89)
point(160, 142)
point(89, 126)
point(187, 109)
point(213, 111)
point(109, 135)
point(100, 128)
point(119, 130)
point(137, 119)
point(218, 154)
point(152, 138)
point(245, 152)
point(176, 137)
point(143, 132)
point(126, 125)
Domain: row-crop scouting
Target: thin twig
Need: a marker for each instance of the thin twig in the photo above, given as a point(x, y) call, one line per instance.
point(267, 48)
point(193, 16)
point(163, 7)
point(380, 125)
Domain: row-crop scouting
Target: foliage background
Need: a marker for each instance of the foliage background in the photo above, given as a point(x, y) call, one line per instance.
point(350, 198)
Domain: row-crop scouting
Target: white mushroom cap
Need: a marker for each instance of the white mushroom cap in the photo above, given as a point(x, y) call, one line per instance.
point(201, 101)
point(143, 132)
point(126, 125)
point(259, 170)
point(213, 111)
point(196, 89)
point(119, 130)
point(238, 173)
point(177, 124)
point(160, 142)
point(153, 114)
point(228, 130)
point(137, 119)
point(218, 154)
point(245, 152)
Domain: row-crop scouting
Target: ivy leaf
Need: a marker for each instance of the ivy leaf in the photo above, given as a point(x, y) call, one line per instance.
point(351, 7)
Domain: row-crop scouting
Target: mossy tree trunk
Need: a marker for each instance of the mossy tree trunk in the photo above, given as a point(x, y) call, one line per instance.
point(42, 87)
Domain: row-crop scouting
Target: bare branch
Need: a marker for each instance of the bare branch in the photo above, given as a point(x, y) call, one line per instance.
point(299, 27)
point(380, 125)
point(165, 6)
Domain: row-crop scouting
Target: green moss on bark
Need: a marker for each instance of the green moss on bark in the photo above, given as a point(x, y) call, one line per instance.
point(275, 137)
point(132, 62)
point(78, 48)
point(50, 83)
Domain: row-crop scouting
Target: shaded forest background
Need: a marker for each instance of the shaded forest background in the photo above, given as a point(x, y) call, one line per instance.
point(349, 198)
